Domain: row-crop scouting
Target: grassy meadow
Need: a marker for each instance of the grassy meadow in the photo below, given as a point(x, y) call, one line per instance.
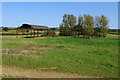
point(96, 57)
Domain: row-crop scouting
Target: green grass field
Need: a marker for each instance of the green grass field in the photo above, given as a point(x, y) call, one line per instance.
point(115, 33)
point(97, 57)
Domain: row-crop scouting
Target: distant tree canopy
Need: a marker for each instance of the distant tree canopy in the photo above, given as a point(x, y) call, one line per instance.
point(5, 29)
point(53, 28)
point(86, 26)
point(50, 33)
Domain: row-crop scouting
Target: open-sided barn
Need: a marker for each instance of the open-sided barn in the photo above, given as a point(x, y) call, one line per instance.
point(36, 27)
point(33, 29)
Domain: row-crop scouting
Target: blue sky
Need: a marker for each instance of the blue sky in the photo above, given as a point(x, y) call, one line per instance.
point(50, 14)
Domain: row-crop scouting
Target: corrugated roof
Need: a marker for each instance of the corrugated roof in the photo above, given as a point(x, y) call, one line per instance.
point(39, 27)
point(33, 26)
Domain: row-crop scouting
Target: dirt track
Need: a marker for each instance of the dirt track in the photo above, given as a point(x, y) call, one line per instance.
point(22, 73)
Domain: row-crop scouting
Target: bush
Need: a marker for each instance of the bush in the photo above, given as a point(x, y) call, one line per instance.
point(50, 34)
point(5, 29)
point(104, 31)
point(101, 32)
point(64, 31)
point(88, 32)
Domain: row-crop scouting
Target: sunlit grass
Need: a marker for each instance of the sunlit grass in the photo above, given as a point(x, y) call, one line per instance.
point(96, 57)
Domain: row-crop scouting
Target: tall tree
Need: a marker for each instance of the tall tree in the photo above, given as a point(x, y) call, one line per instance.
point(72, 24)
point(66, 28)
point(88, 26)
point(71, 20)
point(78, 29)
point(101, 24)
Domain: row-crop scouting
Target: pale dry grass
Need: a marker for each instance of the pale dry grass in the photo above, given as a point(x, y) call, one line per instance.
point(12, 36)
point(32, 73)
point(113, 36)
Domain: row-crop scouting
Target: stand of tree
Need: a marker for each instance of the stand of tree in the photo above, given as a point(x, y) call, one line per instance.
point(86, 26)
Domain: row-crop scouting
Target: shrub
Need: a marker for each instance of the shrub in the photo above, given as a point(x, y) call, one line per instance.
point(5, 29)
point(101, 26)
point(104, 31)
point(50, 34)
point(64, 31)
point(88, 32)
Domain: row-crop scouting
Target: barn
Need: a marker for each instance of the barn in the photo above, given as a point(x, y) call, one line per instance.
point(33, 28)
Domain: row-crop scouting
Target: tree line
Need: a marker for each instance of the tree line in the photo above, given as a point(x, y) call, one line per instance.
point(86, 26)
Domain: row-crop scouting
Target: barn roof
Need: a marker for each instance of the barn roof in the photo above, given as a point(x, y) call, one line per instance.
point(27, 26)
point(39, 27)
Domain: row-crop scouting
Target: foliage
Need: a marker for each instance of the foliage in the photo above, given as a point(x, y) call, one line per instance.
point(64, 31)
point(69, 21)
point(53, 28)
point(5, 29)
point(101, 26)
point(86, 26)
point(27, 30)
point(50, 34)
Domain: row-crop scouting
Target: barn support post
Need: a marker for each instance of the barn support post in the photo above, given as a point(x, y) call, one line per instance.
point(22, 32)
point(31, 32)
point(16, 33)
point(34, 32)
point(37, 32)
point(27, 32)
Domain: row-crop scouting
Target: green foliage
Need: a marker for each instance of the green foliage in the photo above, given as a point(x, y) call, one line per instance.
point(53, 29)
point(64, 31)
point(5, 29)
point(27, 30)
point(103, 31)
point(69, 21)
point(101, 26)
point(88, 32)
point(115, 33)
point(84, 27)
point(88, 21)
point(50, 34)
point(88, 26)
point(78, 29)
